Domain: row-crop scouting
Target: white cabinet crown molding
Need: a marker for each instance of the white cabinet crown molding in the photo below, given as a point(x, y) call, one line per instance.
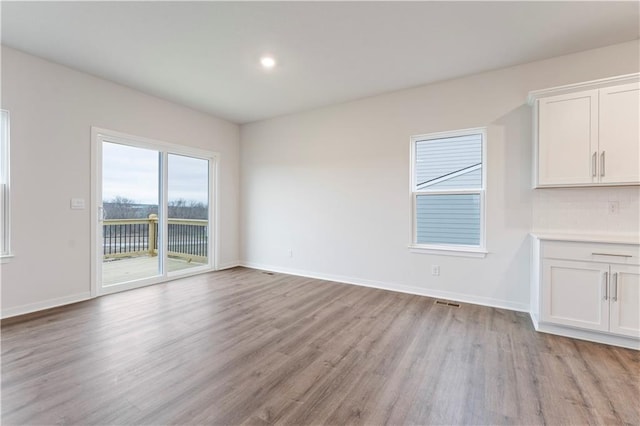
point(586, 85)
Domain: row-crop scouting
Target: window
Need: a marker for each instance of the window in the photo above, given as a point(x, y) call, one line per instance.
point(447, 186)
point(5, 248)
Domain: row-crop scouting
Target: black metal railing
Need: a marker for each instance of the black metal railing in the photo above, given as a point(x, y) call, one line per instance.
point(186, 238)
point(125, 237)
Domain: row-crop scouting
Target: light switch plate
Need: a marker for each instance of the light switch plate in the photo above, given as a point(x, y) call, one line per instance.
point(77, 204)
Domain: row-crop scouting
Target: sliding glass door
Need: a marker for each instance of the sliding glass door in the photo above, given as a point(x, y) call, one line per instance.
point(153, 211)
point(188, 211)
point(131, 194)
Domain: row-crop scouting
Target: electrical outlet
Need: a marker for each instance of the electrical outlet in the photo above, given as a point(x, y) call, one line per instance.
point(290, 252)
point(614, 207)
point(435, 270)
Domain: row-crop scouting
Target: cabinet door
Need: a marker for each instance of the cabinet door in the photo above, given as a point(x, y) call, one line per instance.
point(568, 139)
point(625, 300)
point(620, 134)
point(575, 294)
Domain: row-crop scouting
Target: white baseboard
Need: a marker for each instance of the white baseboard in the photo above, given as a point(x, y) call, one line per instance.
point(228, 265)
point(60, 301)
point(534, 320)
point(591, 336)
point(438, 294)
point(45, 304)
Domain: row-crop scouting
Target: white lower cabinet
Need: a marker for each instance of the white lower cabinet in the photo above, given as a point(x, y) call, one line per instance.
point(582, 288)
point(624, 314)
point(574, 293)
point(593, 296)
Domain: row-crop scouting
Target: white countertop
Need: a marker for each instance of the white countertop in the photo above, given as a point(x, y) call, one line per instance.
point(591, 238)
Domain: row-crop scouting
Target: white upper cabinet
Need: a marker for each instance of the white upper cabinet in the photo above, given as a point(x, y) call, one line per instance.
point(568, 138)
point(620, 134)
point(587, 134)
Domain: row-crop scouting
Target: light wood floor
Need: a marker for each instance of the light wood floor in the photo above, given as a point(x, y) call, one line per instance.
point(244, 347)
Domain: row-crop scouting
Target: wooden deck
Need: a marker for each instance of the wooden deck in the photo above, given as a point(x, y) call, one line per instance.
point(134, 268)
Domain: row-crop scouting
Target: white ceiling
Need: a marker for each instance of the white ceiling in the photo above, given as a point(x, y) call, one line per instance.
point(206, 54)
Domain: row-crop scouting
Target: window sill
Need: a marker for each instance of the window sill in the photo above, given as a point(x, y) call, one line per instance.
point(449, 250)
point(6, 258)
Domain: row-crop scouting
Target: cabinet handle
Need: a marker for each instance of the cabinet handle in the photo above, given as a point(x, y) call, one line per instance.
point(606, 286)
point(614, 281)
point(602, 164)
point(611, 254)
point(593, 164)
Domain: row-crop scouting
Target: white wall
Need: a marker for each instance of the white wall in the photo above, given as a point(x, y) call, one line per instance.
point(52, 110)
point(332, 185)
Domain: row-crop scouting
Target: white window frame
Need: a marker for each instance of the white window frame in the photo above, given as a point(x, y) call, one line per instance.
point(448, 249)
point(5, 179)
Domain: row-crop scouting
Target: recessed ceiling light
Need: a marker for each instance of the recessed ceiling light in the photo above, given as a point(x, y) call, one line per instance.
point(267, 62)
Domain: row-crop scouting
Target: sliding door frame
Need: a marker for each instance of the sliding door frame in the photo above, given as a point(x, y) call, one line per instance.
point(98, 136)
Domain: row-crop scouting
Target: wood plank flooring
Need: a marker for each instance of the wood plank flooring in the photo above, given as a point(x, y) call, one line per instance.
point(242, 347)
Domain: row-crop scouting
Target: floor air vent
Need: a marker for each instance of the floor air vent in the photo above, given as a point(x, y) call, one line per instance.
point(444, 303)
